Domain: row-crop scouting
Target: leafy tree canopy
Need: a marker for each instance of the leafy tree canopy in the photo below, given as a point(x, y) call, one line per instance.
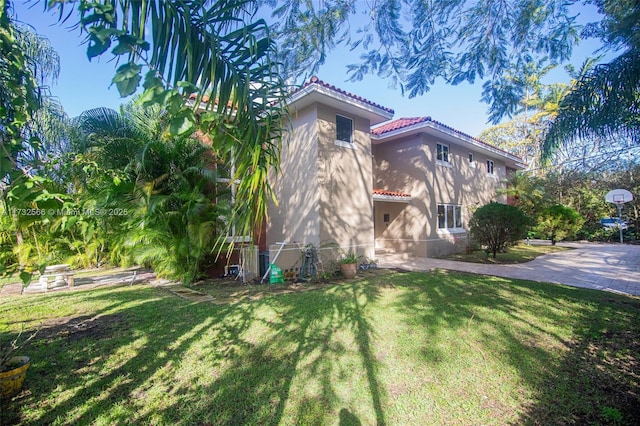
point(415, 42)
point(605, 103)
point(209, 65)
point(559, 222)
point(28, 121)
point(526, 192)
point(524, 134)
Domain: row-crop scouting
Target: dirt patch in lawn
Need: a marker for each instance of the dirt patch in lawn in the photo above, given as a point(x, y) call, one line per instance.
point(76, 328)
point(226, 291)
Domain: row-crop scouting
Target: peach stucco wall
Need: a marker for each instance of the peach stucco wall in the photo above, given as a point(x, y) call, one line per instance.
point(295, 217)
point(346, 185)
point(409, 165)
point(324, 190)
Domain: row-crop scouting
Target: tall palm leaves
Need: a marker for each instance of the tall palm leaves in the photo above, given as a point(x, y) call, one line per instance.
point(525, 192)
point(213, 50)
point(27, 62)
point(605, 102)
point(157, 193)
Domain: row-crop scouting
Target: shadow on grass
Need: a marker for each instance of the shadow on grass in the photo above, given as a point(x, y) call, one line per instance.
point(589, 376)
point(148, 357)
point(598, 381)
point(144, 356)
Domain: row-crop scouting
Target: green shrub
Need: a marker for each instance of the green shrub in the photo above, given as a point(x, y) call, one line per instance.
point(496, 226)
point(559, 222)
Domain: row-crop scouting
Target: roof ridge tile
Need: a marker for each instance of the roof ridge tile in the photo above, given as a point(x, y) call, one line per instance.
point(403, 122)
point(315, 80)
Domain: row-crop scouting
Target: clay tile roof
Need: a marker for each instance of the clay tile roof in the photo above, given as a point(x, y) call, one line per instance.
point(401, 123)
point(390, 193)
point(316, 80)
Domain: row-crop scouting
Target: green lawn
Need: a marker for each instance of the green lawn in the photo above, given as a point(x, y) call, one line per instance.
point(519, 253)
point(395, 349)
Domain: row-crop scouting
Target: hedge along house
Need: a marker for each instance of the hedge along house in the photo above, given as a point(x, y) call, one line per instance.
point(404, 186)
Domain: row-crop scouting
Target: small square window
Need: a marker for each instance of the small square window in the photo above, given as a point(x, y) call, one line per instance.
point(490, 167)
point(344, 129)
point(442, 152)
point(386, 218)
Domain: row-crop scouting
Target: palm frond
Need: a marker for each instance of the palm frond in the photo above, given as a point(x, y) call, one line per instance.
point(604, 103)
point(43, 58)
point(105, 122)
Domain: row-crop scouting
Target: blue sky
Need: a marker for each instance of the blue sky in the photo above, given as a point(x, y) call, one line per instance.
point(84, 85)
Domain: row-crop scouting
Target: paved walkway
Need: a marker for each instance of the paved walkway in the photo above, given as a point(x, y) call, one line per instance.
point(610, 267)
point(114, 277)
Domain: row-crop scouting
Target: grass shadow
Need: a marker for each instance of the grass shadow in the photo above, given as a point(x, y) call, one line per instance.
point(146, 356)
point(367, 352)
point(576, 351)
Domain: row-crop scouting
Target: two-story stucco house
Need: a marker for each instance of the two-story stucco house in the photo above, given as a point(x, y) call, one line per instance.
point(352, 178)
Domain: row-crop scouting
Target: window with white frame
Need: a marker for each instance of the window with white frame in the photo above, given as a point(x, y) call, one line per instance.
point(490, 167)
point(442, 153)
point(472, 163)
point(344, 129)
point(449, 217)
point(226, 198)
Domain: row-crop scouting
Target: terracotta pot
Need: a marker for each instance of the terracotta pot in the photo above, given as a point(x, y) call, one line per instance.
point(348, 270)
point(11, 380)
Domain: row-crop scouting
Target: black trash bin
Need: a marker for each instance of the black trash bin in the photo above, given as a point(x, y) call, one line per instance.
point(263, 262)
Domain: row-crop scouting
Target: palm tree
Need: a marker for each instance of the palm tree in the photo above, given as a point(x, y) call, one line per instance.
point(27, 64)
point(524, 134)
point(162, 190)
point(216, 52)
point(525, 191)
point(604, 102)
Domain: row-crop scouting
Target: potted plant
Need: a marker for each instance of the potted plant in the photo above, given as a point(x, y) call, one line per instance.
point(13, 368)
point(348, 264)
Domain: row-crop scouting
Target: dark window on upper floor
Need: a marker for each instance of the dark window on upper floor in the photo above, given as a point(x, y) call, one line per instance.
point(442, 152)
point(344, 129)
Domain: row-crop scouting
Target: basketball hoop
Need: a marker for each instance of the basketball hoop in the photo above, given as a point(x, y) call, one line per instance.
point(619, 197)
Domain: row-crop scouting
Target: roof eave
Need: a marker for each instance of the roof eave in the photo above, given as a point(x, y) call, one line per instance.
point(317, 93)
point(417, 128)
point(391, 198)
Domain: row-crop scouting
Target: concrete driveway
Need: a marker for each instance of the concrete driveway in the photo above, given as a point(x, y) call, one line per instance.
point(609, 267)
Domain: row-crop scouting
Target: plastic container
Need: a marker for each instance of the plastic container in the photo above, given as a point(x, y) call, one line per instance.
point(276, 275)
point(11, 381)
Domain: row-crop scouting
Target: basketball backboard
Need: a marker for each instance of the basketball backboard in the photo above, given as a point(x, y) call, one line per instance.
point(618, 196)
